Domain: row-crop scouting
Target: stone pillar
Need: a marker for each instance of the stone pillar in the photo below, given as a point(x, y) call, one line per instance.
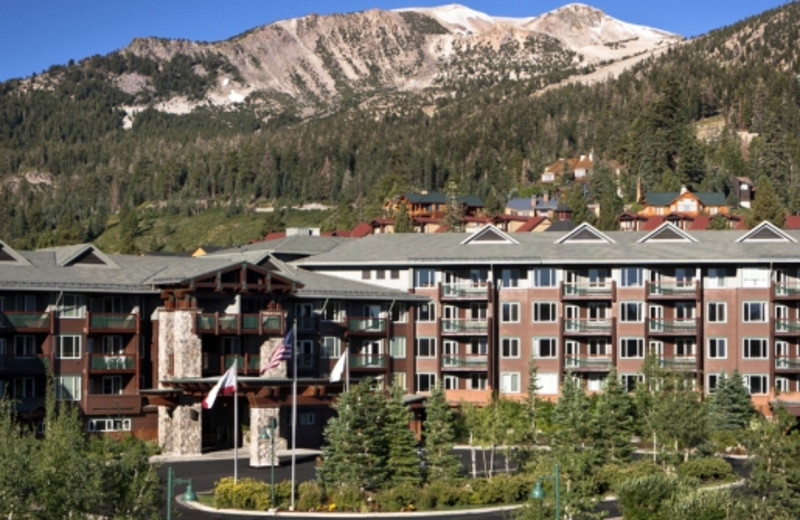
point(180, 356)
point(261, 449)
point(265, 351)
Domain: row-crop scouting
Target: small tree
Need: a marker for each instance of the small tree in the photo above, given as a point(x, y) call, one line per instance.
point(614, 416)
point(766, 205)
point(730, 406)
point(403, 458)
point(402, 222)
point(439, 438)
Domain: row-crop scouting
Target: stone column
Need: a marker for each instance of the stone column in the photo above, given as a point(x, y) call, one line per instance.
point(261, 449)
point(180, 430)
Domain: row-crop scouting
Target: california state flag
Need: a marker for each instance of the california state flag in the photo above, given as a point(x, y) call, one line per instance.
point(226, 383)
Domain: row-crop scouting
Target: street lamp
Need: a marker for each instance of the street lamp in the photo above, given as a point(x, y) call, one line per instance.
point(268, 432)
point(188, 496)
point(538, 493)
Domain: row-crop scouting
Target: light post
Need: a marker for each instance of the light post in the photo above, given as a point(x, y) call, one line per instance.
point(538, 493)
point(188, 496)
point(268, 432)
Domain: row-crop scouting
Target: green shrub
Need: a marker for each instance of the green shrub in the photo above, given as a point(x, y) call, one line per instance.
point(309, 496)
point(447, 493)
point(706, 469)
point(400, 497)
point(642, 497)
point(610, 475)
point(247, 494)
point(347, 498)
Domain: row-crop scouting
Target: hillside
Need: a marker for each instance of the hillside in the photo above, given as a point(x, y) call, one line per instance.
point(365, 109)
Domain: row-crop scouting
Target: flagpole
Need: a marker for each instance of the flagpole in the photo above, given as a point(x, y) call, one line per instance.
point(347, 368)
point(236, 430)
point(294, 406)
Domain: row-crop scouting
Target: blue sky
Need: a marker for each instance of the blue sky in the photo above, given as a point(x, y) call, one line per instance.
point(36, 34)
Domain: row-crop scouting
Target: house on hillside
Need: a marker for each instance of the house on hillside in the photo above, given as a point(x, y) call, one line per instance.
point(684, 203)
point(432, 205)
point(577, 168)
point(542, 206)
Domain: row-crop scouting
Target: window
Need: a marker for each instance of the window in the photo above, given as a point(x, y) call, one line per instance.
point(394, 274)
point(142, 348)
point(25, 303)
point(117, 424)
point(478, 382)
point(231, 345)
point(782, 384)
point(425, 381)
point(544, 311)
point(331, 346)
point(3, 347)
point(544, 348)
point(307, 419)
point(544, 277)
point(754, 312)
point(380, 274)
point(23, 387)
point(631, 277)
point(509, 278)
point(426, 347)
point(717, 312)
point(717, 348)
point(630, 311)
point(450, 382)
point(478, 347)
point(478, 312)
point(755, 277)
point(399, 379)
point(712, 381)
point(598, 347)
point(111, 385)
point(631, 348)
point(71, 306)
point(509, 382)
point(424, 278)
point(509, 312)
point(509, 347)
point(684, 347)
point(716, 277)
point(365, 274)
point(684, 277)
point(399, 313)
point(755, 348)
point(306, 353)
point(68, 388)
point(68, 347)
point(333, 311)
point(397, 346)
point(426, 312)
point(629, 381)
point(24, 346)
point(758, 384)
point(598, 311)
point(684, 311)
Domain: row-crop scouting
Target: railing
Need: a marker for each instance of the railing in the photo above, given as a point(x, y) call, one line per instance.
point(787, 326)
point(367, 361)
point(33, 364)
point(678, 363)
point(113, 322)
point(787, 290)
point(465, 361)
point(25, 320)
point(465, 326)
point(587, 326)
point(466, 290)
point(587, 362)
point(112, 362)
point(260, 323)
point(588, 290)
point(686, 289)
point(111, 404)
point(787, 363)
point(366, 325)
point(245, 363)
point(672, 326)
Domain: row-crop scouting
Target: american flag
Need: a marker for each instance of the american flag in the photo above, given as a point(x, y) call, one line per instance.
point(282, 352)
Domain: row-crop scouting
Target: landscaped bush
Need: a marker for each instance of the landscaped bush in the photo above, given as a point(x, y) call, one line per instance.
point(347, 498)
point(642, 498)
point(403, 497)
point(309, 496)
point(448, 493)
point(501, 489)
point(706, 469)
point(609, 475)
point(247, 493)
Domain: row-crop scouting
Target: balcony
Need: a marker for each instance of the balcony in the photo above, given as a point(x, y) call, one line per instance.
point(785, 291)
point(118, 322)
point(25, 321)
point(465, 291)
point(246, 363)
point(787, 327)
point(366, 326)
point(367, 361)
point(587, 363)
point(587, 291)
point(787, 363)
point(672, 327)
point(260, 324)
point(24, 365)
point(112, 363)
point(465, 362)
point(672, 290)
point(467, 327)
point(678, 363)
point(113, 404)
point(588, 327)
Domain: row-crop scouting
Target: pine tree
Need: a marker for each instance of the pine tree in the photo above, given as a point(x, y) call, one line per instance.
point(403, 458)
point(766, 205)
point(730, 406)
point(439, 437)
point(614, 416)
point(678, 416)
point(572, 416)
point(402, 222)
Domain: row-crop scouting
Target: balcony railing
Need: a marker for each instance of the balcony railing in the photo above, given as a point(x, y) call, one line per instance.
point(465, 290)
point(672, 289)
point(787, 290)
point(587, 326)
point(588, 290)
point(789, 326)
point(254, 323)
point(366, 325)
point(465, 326)
point(678, 363)
point(27, 321)
point(587, 363)
point(672, 326)
point(112, 404)
point(246, 363)
point(787, 363)
point(117, 322)
point(112, 362)
point(367, 361)
point(469, 362)
point(24, 365)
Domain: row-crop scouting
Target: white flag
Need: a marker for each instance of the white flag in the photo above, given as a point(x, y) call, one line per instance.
point(226, 383)
point(338, 368)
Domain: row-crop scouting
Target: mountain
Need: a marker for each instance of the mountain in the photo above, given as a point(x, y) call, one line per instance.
point(349, 109)
point(315, 63)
